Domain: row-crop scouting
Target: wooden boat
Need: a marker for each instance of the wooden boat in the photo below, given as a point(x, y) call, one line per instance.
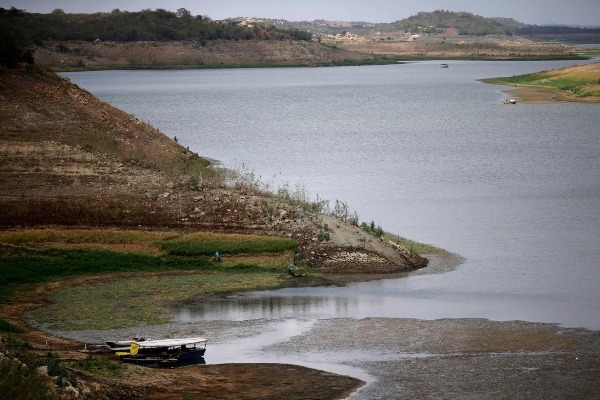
point(166, 352)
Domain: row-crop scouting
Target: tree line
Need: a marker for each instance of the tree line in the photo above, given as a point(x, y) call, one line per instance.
point(123, 26)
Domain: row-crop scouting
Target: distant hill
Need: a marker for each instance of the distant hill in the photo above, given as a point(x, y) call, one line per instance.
point(437, 22)
point(440, 20)
point(146, 25)
point(163, 25)
point(562, 33)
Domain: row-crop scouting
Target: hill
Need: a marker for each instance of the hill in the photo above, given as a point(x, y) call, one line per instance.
point(440, 21)
point(146, 25)
point(162, 39)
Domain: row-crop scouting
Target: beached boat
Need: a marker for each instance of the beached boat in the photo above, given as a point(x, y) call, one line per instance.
point(166, 352)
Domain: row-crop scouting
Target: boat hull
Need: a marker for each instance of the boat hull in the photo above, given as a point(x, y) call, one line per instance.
point(167, 360)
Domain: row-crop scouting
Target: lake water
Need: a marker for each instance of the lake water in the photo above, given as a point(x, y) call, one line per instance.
point(428, 153)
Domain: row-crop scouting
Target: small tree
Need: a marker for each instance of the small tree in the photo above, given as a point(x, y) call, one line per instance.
point(14, 48)
point(341, 210)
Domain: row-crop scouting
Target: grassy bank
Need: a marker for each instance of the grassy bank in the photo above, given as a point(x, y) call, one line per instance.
point(144, 300)
point(581, 81)
point(35, 256)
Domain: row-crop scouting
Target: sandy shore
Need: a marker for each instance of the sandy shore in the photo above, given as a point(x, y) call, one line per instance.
point(533, 95)
point(537, 95)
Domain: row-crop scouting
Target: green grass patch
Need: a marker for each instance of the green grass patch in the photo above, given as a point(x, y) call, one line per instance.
point(6, 326)
point(540, 80)
point(31, 257)
point(99, 366)
point(145, 300)
point(28, 266)
point(579, 81)
point(27, 259)
point(104, 236)
point(206, 244)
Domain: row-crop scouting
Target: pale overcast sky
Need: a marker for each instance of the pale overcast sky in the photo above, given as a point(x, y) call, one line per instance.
point(569, 12)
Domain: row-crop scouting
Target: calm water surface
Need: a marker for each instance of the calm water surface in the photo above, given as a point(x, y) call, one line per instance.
point(428, 153)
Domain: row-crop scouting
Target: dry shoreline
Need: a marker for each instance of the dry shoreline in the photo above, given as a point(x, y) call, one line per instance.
point(540, 95)
point(532, 95)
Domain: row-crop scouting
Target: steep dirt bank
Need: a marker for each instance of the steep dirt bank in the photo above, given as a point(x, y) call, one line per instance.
point(462, 46)
point(173, 54)
point(70, 159)
point(226, 53)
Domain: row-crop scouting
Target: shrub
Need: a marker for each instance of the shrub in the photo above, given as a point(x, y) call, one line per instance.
point(99, 366)
point(205, 244)
point(6, 326)
point(16, 343)
point(18, 382)
point(14, 48)
point(57, 369)
point(323, 236)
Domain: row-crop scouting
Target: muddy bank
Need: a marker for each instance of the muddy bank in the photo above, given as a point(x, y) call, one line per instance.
point(459, 358)
point(402, 358)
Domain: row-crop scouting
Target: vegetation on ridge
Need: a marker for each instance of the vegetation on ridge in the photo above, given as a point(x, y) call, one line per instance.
point(125, 26)
point(440, 20)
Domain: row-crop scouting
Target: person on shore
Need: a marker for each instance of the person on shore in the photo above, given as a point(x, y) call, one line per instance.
point(217, 257)
point(292, 269)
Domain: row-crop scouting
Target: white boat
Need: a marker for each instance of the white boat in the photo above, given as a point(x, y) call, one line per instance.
point(164, 352)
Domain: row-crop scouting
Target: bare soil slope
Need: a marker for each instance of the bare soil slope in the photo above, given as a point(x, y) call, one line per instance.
point(70, 159)
point(102, 55)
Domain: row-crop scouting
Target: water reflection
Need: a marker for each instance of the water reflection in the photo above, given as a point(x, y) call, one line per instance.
point(415, 297)
point(267, 306)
